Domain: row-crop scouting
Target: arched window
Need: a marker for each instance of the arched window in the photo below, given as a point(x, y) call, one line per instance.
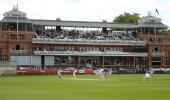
point(17, 47)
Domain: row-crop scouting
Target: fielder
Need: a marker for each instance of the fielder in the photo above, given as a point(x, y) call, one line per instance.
point(151, 71)
point(147, 76)
point(74, 73)
point(59, 74)
point(101, 74)
point(110, 71)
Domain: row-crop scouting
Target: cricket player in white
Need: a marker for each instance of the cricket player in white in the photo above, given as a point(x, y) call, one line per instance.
point(151, 71)
point(74, 73)
point(59, 74)
point(101, 74)
point(147, 76)
point(110, 71)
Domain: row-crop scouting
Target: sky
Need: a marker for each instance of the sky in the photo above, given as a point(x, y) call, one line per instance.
point(87, 10)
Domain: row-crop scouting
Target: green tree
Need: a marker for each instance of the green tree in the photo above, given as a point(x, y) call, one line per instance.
point(127, 18)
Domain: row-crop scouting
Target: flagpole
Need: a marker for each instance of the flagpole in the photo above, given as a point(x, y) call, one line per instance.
point(17, 21)
point(155, 27)
point(156, 11)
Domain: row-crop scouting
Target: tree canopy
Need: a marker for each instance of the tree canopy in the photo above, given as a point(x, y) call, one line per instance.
point(127, 18)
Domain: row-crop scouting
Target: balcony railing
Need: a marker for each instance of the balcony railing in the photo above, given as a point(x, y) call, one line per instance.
point(19, 51)
point(158, 54)
point(91, 53)
point(86, 41)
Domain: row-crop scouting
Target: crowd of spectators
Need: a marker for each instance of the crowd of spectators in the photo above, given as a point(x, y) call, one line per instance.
point(88, 35)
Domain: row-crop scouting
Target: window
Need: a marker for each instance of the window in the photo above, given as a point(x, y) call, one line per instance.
point(17, 47)
point(4, 58)
point(4, 36)
point(5, 47)
point(13, 36)
point(156, 49)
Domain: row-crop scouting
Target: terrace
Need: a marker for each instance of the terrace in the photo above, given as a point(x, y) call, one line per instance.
point(91, 53)
point(94, 38)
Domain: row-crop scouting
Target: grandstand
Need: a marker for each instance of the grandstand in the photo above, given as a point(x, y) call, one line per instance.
point(51, 44)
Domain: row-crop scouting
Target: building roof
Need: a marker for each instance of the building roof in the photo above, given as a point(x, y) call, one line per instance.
point(151, 21)
point(83, 24)
point(15, 13)
point(152, 25)
point(14, 20)
point(18, 16)
point(148, 18)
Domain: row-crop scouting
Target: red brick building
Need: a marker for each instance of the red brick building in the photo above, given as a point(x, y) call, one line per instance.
point(42, 44)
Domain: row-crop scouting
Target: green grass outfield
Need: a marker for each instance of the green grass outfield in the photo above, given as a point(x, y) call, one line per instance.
point(85, 87)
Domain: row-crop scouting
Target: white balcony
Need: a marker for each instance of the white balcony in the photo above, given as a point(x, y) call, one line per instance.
point(91, 53)
point(19, 51)
point(158, 54)
point(55, 52)
point(87, 42)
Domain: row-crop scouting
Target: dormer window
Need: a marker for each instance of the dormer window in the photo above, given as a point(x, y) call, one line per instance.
point(152, 21)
